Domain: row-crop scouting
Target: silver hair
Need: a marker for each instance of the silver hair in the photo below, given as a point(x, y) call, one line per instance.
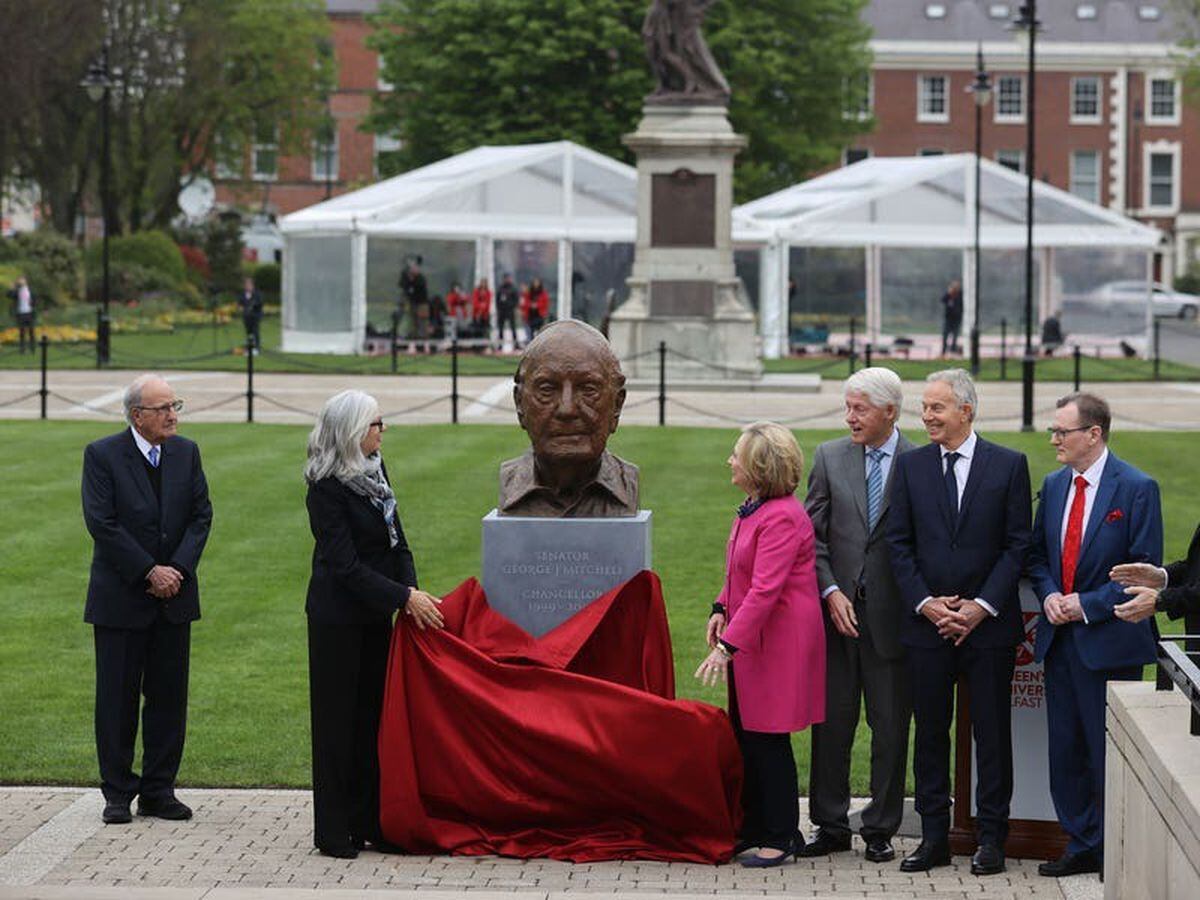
point(961, 386)
point(133, 393)
point(881, 386)
point(335, 443)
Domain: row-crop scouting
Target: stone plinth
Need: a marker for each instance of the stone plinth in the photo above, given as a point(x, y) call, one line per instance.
point(539, 572)
point(1152, 795)
point(683, 289)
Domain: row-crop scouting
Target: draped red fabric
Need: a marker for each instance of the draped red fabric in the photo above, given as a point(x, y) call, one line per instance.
point(570, 746)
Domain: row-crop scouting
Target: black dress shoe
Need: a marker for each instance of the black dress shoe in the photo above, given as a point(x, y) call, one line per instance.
point(824, 844)
point(879, 850)
point(1071, 864)
point(116, 813)
point(988, 860)
point(346, 852)
point(163, 808)
point(928, 855)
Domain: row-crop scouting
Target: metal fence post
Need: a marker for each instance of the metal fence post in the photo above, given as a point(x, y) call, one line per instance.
point(1004, 349)
point(249, 380)
point(662, 383)
point(44, 390)
point(395, 331)
point(1078, 366)
point(853, 352)
point(1157, 336)
point(867, 354)
point(454, 381)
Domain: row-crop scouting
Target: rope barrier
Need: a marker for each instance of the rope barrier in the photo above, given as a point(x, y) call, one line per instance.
point(20, 399)
point(284, 406)
point(417, 408)
point(230, 399)
point(85, 405)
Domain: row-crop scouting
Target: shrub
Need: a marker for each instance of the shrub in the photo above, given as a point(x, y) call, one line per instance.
point(195, 260)
point(9, 251)
point(53, 264)
point(127, 281)
point(152, 250)
point(267, 278)
point(1188, 282)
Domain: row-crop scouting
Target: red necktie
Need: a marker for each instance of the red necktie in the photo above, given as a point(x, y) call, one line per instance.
point(1070, 554)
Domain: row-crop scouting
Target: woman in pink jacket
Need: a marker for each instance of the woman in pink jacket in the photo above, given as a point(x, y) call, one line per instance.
point(767, 636)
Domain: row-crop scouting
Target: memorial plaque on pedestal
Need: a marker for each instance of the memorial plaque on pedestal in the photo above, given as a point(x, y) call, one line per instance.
point(683, 210)
point(682, 298)
point(538, 572)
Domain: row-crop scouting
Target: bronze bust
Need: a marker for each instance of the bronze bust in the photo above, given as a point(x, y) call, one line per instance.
point(569, 391)
point(679, 57)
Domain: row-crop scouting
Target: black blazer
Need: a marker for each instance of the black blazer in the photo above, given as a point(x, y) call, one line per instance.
point(980, 556)
point(133, 531)
point(1182, 595)
point(357, 577)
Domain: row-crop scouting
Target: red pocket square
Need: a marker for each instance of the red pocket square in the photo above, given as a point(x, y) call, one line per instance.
point(1114, 516)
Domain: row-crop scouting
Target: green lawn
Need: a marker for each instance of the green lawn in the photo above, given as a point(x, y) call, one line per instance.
point(219, 347)
point(248, 723)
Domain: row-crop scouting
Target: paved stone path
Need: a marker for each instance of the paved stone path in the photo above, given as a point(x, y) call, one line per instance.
point(258, 843)
point(295, 398)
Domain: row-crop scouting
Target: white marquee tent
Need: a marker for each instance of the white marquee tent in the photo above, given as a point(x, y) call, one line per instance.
point(923, 202)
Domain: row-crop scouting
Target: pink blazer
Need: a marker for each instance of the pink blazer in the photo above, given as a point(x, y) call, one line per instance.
point(773, 615)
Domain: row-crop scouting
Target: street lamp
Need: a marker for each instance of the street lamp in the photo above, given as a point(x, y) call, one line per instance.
point(981, 93)
point(1026, 26)
point(98, 86)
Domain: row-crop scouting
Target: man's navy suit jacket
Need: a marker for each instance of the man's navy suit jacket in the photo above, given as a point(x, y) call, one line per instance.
point(1125, 526)
point(978, 554)
point(133, 530)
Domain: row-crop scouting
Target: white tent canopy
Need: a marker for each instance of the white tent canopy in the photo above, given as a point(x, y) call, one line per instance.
point(924, 202)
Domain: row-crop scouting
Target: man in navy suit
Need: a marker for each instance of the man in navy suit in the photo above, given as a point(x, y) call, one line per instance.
point(145, 503)
point(1095, 513)
point(958, 530)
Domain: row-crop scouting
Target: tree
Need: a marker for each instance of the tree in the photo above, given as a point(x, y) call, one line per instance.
point(470, 72)
point(192, 79)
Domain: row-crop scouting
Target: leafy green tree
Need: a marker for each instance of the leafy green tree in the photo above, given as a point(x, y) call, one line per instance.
point(470, 72)
point(192, 79)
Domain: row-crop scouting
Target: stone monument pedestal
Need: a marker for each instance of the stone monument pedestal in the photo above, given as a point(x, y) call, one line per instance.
point(683, 289)
point(538, 572)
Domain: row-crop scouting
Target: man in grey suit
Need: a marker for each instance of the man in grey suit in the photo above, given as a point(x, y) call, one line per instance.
point(848, 502)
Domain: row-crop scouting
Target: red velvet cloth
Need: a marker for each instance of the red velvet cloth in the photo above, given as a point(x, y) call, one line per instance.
point(569, 746)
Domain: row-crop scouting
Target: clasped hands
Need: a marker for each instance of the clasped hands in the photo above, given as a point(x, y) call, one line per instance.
point(1142, 582)
point(164, 582)
point(955, 617)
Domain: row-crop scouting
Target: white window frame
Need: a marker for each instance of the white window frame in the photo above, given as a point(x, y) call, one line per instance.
point(390, 145)
point(1161, 148)
point(1096, 176)
point(846, 155)
point(318, 172)
point(1097, 117)
point(1009, 118)
point(1174, 117)
point(1006, 151)
point(922, 114)
point(259, 147)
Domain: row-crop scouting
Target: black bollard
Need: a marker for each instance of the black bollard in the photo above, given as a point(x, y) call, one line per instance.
point(1157, 335)
point(249, 380)
point(44, 391)
point(662, 383)
point(853, 351)
point(454, 381)
point(1078, 364)
point(1004, 349)
point(395, 329)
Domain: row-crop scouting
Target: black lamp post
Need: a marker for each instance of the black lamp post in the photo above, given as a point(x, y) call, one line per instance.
point(98, 86)
point(1026, 26)
point(981, 93)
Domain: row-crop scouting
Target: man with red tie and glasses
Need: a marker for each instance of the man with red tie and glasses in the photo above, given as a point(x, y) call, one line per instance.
point(1095, 513)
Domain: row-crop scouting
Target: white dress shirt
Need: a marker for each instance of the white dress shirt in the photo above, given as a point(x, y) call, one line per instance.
point(144, 445)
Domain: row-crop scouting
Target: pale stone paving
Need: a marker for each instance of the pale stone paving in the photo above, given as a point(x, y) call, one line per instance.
point(247, 843)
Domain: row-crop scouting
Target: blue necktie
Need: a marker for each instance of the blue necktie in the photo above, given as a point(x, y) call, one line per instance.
point(154, 457)
point(952, 484)
point(874, 486)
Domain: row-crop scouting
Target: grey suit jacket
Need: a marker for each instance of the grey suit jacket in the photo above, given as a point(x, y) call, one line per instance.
point(847, 554)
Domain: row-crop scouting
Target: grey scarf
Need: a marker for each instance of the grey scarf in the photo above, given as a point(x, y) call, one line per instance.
point(373, 485)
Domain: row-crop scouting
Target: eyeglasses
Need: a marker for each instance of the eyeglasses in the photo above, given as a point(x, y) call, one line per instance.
point(1061, 433)
point(378, 423)
point(176, 405)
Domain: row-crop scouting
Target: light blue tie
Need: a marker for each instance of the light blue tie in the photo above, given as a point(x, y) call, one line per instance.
point(154, 457)
point(874, 486)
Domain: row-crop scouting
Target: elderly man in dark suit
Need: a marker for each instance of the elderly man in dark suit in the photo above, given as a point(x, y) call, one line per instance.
point(959, 530)
point(1096, 512)
point(848, 503)
point(145, 503)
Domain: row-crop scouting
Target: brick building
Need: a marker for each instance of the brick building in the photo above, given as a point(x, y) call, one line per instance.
point(1112, 122)
point(277, 184)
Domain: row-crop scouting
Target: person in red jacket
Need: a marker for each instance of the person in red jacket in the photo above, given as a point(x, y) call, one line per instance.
point(481, 309)
point(458, 304)
point(535, 306)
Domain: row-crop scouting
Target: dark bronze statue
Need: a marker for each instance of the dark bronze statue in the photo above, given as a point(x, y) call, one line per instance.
point(679, 57)
point(569, 391)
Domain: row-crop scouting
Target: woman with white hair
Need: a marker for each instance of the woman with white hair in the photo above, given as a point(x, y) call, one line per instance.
point(767, 635)
point(362, 573)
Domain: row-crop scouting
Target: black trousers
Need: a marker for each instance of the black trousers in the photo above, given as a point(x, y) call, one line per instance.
point(253, 325)
point(509, 316)
point(25, 331)
point(347, 665)
point(131, 664)
point(854, 672)
point(988, 673)
point(950, 331)
point(770, 796)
